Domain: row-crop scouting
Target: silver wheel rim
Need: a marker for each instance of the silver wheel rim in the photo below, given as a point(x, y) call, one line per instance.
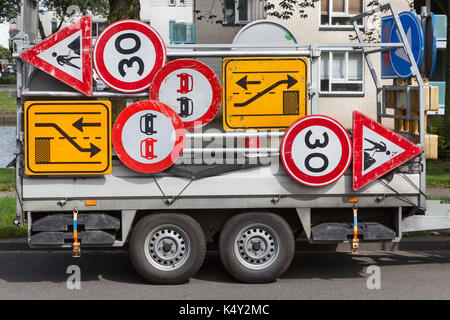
point(167, 247)
point(257, 246)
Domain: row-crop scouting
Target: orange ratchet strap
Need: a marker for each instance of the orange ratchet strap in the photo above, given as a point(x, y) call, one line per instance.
point(76, 244)
point(355, 228)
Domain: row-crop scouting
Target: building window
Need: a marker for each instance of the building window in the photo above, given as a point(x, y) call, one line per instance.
point(98, 27)
point(172, 3)
point(235, 12)
point(341, 73)
point(337, 13)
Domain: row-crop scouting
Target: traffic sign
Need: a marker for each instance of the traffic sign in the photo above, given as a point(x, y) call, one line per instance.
point(66, 55)
point(377, 150)
point(316, 150)
point(189, 87)
point(67, 137)
point(148, 136)
point(395, 63)
point(263, 93)
point(128, 54)
point(430, 52)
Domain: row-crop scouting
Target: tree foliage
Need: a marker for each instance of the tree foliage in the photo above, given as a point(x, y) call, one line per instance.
point(5, 53)
point(123, 9)
point(285, 9)
point(9, 9)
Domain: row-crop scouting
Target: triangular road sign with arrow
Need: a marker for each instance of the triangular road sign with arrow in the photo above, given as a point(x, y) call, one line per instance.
point(66, 55)
point(377, 150)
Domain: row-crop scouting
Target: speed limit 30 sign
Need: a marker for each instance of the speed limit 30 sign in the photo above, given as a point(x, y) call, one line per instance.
point(128, 54)
point(316, 150)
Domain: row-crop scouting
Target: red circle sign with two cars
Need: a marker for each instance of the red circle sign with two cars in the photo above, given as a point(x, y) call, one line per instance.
point(316, 150)
point(189, 87)
point(148, 136)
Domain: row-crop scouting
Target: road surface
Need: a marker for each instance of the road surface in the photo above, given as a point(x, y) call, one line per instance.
point(312, 275)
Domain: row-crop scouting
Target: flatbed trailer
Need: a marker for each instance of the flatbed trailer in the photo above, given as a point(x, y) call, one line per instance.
point(252, 208)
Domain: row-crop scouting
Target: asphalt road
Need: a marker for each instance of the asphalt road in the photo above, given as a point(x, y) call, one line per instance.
point(312, 275)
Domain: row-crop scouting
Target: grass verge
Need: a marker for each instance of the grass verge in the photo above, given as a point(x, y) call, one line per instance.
point(7, 104)
point(438, 174)
point(7, 179)
point(7, 215)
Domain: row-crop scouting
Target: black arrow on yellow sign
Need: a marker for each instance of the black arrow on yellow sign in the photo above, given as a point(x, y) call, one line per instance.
point(290, 81)
point(79, 124)
point(243, 82)
point(93, 149)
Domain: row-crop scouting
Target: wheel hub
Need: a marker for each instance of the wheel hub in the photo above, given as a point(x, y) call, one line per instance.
point(257, 246)
point(167, 247)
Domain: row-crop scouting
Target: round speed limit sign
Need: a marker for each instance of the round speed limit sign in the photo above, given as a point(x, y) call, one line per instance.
point(316, 150)
point(128, 54)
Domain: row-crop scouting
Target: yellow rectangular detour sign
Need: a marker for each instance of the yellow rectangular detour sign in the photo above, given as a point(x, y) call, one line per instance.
point(67, 137)
point(263, 92)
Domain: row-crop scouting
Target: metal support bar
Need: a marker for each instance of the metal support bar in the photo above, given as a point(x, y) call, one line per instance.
point(381, 103)
point(397, 116)
point(231, 150)
point(223, 53)
point(68, 94)
point(255, 134)
point(19, 152)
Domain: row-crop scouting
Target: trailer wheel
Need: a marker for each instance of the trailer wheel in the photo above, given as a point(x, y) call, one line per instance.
point(256, 247)
point(167, 248)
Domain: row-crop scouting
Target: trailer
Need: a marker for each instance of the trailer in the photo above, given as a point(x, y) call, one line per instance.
point(250, 206)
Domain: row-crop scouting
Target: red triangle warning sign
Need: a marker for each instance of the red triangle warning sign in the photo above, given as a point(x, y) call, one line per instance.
point(377, 150)
point(66, 55)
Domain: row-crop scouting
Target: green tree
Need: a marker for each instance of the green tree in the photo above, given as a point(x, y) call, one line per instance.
point(66, 8)
point(9, 9)
point(123, 9)
point(5, 53)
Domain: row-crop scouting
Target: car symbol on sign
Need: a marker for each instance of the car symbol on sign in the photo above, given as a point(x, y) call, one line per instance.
point(147, 123)
point(148, 148)
point(186, 83)
point(186, 107)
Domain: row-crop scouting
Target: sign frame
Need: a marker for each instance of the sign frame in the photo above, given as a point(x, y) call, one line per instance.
point(226, 61)
point(207, 72)
point(430, 49)
point(31, 55)
point(388, 26)
point(148, 105)
point(289, 137)
point(110, 31)
point(106, 104)
point(411, 150)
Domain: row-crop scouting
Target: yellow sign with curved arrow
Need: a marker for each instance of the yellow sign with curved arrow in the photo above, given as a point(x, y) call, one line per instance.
point(67, 137)
point(263, 93)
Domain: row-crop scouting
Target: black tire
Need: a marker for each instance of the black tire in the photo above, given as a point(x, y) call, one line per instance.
point(235, 259)
point(146, 262)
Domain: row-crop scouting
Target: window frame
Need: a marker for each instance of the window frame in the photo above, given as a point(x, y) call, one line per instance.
point(237, 20)
point(332, 81)
point(345, 14)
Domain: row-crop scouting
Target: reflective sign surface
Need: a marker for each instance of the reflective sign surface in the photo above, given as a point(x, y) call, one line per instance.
point(263, 93)
point(67, 137)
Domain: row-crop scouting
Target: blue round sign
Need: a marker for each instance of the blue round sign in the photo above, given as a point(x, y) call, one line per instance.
point(413, 30)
